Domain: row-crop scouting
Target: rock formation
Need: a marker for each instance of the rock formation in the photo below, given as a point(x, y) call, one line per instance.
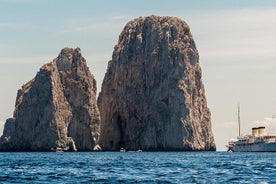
point(57, 110)
point(152, 96)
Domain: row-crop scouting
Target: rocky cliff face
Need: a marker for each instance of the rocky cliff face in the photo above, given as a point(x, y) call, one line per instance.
point(56, 110)
point(152, 96)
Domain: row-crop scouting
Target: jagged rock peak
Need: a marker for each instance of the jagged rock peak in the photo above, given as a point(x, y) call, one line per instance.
point(152, 96)
point(56, 110)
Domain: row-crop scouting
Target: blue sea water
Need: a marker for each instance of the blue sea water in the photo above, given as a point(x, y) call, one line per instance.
point(137, 167)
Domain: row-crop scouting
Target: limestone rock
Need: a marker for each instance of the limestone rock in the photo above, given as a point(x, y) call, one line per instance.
point(57, 110)
point(152, 96)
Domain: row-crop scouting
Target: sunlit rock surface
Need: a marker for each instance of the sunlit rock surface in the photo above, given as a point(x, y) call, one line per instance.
point(57, 110)
point(152, 96)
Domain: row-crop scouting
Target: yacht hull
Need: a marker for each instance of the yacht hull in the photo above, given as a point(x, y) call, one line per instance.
point(254, 147)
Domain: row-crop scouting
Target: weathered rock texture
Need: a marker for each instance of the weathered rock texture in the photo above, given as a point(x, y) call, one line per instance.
point(152, 96)
point(57, 110)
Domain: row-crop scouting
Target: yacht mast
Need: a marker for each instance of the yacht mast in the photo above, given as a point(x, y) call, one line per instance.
point(239, 119)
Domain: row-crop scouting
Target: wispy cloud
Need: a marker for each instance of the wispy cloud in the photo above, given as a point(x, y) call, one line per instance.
point(120, 17)
point(14, 25)
point(235, 35)
point(269, 123)
point(25, 60)
point(18, 1)
point(102, 24)
point(99, 57)
point(77, 28)
point(5, 46)
point(229, 124)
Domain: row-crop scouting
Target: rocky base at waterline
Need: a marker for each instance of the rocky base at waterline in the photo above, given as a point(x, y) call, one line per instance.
point(57, 110)
point(152, 96)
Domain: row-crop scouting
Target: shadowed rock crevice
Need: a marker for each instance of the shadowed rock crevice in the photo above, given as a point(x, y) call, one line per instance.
point(152, 96)
point(56, 110)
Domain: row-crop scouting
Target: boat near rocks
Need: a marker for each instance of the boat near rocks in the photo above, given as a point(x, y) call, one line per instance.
point(258, 141)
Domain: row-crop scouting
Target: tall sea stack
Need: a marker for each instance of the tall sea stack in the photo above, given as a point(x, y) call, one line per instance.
point(57, 110)
point(152, 96)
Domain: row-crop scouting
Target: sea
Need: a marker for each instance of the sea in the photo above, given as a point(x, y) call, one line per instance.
point(137, 167)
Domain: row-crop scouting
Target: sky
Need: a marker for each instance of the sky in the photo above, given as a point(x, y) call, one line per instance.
point(236, 41)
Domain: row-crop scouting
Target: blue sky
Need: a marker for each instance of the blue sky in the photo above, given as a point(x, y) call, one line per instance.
point(236, 41)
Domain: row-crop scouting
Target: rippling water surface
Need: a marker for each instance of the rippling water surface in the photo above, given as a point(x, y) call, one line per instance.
point(138, 167)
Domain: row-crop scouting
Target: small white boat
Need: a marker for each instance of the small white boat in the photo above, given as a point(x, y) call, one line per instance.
point(122, 150)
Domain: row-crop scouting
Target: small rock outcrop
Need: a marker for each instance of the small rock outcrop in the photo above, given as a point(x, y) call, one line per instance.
point(57, 110)
point(152, 96)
